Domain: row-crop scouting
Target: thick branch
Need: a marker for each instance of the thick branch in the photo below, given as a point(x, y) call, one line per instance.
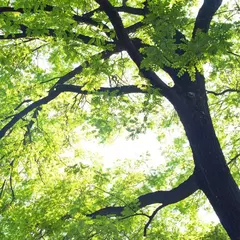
point(130, 47)
point(132, 10)
point(205, 15)
point(120, 31)
point(177, 194)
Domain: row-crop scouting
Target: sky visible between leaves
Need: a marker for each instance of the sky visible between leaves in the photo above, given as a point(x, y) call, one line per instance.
point(121, 147)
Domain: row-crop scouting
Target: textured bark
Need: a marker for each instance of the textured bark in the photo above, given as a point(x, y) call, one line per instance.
point(212, 173)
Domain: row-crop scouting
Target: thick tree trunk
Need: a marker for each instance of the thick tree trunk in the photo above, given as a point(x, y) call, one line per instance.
point(211, 171)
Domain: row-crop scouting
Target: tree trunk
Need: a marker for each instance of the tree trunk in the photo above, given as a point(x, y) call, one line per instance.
point(211, 171)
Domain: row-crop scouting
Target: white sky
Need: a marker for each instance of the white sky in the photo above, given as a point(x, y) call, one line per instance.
point(122, 148)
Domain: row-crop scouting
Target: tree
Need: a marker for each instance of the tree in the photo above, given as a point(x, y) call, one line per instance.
point(163, 51)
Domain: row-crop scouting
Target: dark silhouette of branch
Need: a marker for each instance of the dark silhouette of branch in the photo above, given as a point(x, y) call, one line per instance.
point(85, 18)
point(52, 33)
point(28, 135)
point(49, 80)
point(2, 188)
point(133, 52)
point(116, 90)
point(11, 180)
point(235, 54)
point(151, 218)
point(48, 8)
point(205, 15)
point(233, 159)
point(19, 105)
point(66, 88)
point(177, 194)
point(229, 90)
point(132, 10)
point(17, 117)
point(53, 93)
point(134, 27)
point(104, 55)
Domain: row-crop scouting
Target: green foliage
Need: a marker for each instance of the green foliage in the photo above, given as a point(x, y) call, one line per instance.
point(48, 181)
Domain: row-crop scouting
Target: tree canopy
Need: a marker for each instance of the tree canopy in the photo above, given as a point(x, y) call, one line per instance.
point(72, 71)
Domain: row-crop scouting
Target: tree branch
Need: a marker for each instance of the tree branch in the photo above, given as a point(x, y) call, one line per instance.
point(151, 218)
point(130, 47)
point(229, 90)
point(205, 15)
point(17, 117)
point(117, 90)
point(131, 10)
point(2, 188)
point(233, 159)
point(177, 194)
point(104, 55)
point(48, 8)
point(53, 93)
point(60, 88)
point(51, 32)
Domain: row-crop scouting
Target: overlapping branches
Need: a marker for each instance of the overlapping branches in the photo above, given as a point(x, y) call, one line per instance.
point(133, 52)
point(86, 18)
point(164, 198)
point(53, 93)
point(52, 33)
point(60, 88)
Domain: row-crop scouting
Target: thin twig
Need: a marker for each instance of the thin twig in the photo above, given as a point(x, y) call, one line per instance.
point(151, 218)
point(233, 159)
point(2, 188)
point(25, 101)
point(223, 92)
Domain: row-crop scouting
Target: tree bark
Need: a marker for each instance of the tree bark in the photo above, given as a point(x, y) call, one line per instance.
point(211, 171)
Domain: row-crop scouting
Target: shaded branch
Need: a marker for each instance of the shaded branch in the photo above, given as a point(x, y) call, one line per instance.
point(120, 31)
point(19, 105)
point(104, 55)
point(235, 54)
point(132, 10)
point(51, 32)
point(80, 19)
point(11, 180)
point(233, 159)
point(177, 194)
point(205, 15)
point(133, 52)
point(66, 88)
point(151, 218)
point(116, 90)
point(29, 126)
